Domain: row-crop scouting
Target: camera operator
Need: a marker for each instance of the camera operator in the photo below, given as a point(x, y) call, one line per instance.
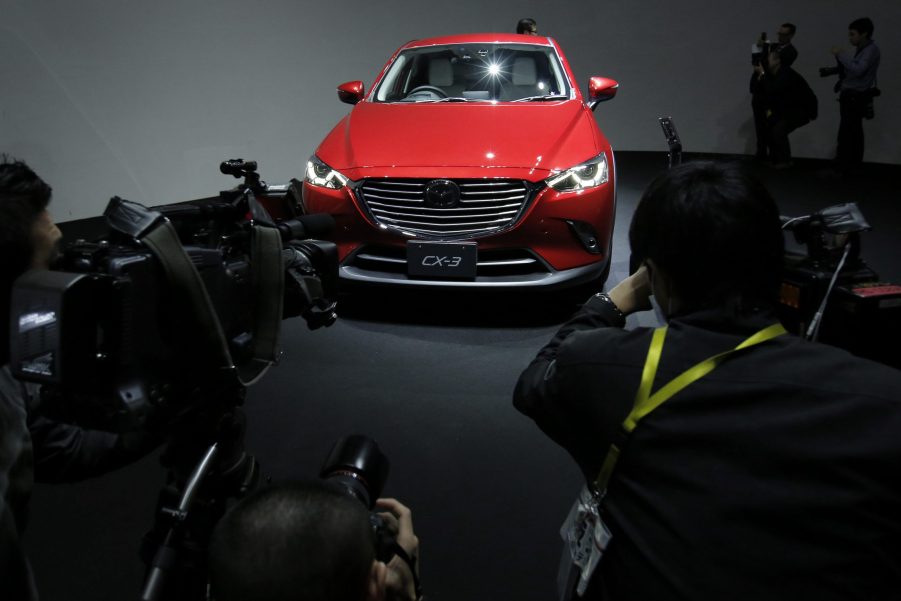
point(787, 55)
point(762, 466)
point(789, 104)
point(856, 88)
point(309, 541)
point(34, 447)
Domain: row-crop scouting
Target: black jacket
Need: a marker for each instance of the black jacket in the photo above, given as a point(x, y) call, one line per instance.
point(773, 477)
point(787, 95)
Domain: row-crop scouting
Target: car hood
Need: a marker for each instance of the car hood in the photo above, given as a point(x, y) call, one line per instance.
point(539, 136)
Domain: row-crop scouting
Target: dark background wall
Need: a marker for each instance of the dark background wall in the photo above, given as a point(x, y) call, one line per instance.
point(143, 99)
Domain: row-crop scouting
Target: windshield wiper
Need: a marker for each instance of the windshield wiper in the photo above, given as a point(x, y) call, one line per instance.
point(434, 100)
point(539, 98)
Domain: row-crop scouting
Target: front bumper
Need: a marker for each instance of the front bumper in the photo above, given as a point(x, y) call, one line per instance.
point(364, 267)
point(546, 248)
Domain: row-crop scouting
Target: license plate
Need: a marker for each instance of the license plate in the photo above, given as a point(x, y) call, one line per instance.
point(456, 260)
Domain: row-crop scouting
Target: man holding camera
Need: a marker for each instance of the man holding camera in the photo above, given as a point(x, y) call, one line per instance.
point(856, 88)
point(310, 541)
point(759, 59)
point(34, 447)
point(723, 458)
point(789, 104)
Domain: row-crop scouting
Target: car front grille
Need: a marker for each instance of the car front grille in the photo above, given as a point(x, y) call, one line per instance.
point(484, 206)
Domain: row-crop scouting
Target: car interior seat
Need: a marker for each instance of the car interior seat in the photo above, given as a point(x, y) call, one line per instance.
point(441, 75)
point(524, 78)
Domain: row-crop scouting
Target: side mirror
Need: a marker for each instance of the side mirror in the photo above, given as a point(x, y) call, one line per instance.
point(351, 92)
point(601, 89)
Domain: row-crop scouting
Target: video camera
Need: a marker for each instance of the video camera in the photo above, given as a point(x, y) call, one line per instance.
point(831, 294)
point(175, 300)
point(826, 233)
point(159, 324)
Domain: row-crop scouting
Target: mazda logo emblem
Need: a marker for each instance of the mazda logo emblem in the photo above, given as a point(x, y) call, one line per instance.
point(442, 194)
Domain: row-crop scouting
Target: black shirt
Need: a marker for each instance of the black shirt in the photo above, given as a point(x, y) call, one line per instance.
point(773, 477)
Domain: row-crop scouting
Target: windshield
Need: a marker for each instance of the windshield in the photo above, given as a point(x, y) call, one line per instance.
point(475, 72)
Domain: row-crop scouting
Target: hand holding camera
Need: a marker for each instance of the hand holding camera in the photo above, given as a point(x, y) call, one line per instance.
point(403, 573)
point(760, 49)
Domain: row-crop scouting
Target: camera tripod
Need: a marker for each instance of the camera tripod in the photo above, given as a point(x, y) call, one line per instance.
point(206, 466)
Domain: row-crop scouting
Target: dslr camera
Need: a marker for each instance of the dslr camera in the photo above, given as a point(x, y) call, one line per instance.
point(357, 467)
point(834, 70)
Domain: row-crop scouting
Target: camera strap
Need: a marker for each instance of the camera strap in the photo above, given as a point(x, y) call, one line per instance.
point(268, 289)
point(162, 240)
point(267, 277)
point(584, 532)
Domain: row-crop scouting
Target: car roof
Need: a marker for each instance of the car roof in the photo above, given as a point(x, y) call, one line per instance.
point(484, 38)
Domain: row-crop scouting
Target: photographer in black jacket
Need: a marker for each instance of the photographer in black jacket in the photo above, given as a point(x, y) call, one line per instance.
point(787, 102)
point(723, 458)
point(787, 55)
point(33, 447)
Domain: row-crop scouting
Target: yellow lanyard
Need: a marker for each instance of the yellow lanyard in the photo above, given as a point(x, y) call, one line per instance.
point(645, 402)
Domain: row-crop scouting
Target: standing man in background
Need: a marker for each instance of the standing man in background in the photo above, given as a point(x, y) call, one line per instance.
point(527, 27)
point(857, 88)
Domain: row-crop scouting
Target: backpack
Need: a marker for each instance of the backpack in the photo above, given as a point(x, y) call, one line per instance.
point(809, 101)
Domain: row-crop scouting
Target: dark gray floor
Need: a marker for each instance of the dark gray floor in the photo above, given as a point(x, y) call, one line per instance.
point(431, 380)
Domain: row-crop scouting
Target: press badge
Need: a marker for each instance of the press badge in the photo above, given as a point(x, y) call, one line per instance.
point(585, 538)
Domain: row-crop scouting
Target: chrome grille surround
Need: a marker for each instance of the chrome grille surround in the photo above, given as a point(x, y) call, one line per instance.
point(486, 206)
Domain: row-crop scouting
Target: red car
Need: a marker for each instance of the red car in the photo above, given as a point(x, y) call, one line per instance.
point(473, 161)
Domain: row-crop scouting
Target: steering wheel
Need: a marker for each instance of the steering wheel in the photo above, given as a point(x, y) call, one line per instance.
point(441, 93)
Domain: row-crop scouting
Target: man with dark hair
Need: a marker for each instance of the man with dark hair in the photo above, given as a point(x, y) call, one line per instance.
point(31, 445)
point(787, 55)
point(785, 34)
point(723, 458)
point(857, 88)
point(527, 27)
point(28, 236)
point(307, 541)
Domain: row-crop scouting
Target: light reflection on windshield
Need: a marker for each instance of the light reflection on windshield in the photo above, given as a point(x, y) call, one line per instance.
point(475, 73)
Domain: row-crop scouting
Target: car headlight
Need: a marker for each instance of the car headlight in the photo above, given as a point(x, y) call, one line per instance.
point(589, 174)
point(320, 174)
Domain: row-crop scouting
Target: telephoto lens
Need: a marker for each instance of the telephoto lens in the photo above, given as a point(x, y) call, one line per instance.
point(357, 465)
